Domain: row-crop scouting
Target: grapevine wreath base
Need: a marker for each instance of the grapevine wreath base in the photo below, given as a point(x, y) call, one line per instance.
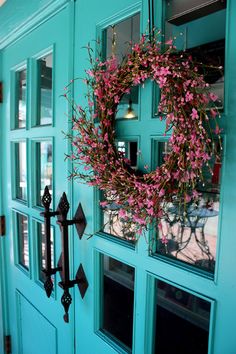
point(184, 104)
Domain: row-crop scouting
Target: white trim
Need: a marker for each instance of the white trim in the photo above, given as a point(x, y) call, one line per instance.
point(34, 21)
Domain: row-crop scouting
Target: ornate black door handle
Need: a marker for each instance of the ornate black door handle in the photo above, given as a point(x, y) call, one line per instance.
point(80, 222)
point(63, 267)
point(47, 214)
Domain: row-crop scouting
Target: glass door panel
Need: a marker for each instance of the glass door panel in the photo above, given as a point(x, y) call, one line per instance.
point(182, 321)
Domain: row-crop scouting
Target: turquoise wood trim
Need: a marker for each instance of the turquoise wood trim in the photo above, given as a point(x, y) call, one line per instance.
point(118, 17)
point(149, 329)
point(34, 21)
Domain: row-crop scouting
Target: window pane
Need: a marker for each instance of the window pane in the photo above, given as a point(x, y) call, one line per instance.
point(44, 171)
point(21, 85)
point(20, 163)
point(41, 249)
point(112, 223)
point(182, 321)
point(23, 240)
point(45, 90)
point(193, 238)
point(118, 39)
point(202, 34)
point(118, 300)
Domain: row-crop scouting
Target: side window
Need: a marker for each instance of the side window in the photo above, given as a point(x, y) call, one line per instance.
point(117, 41)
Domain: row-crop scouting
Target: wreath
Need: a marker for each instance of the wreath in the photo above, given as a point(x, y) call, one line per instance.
point(143, 200)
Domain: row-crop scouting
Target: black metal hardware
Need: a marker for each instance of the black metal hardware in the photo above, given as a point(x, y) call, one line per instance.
point(2, 225)
point(80, 222)
point(47, 214)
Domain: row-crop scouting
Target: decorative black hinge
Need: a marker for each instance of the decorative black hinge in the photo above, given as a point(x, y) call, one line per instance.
point(2, 225)
point(1, 94)
point(7, 344)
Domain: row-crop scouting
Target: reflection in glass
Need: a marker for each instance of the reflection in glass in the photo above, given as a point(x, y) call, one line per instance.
point(23, 240)
point(41, 250)
point(112, 223)
point(208, 47)
point(44, 170)
point(118, 39)
point(20, 163)
point(21, 85)
point(118, 300)
point(182, 321)
point(191, 232)
point(45, 90)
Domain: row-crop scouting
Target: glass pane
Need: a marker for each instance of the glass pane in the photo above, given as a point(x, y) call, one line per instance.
point(112, 223)
point(118, 300)
point(118, 39)
point(20, 161)
point(45, 90)
point(182, 321)
point(202, 34)
point(41, 249)
point(23, 240)
point(193, 238)
point(21, 85)
point(44, 171)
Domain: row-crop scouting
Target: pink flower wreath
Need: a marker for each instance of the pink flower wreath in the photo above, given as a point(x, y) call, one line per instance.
point(185, 97)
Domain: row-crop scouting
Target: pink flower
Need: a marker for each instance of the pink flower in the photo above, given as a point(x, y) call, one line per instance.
point(103, 204)
point(122, 213)
point(162, 192)
point(213, 97)
point(194, 114)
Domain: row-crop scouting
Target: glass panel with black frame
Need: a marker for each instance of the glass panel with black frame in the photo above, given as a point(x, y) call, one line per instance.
point(193, 239)
point(118, 39)
point(198, 27)
point(20, 104)
point(45, 103)
point(23, 240)
point(182, 321)
point(118, 301)
point(41, 249)
point(112, 223)
point(44, 170)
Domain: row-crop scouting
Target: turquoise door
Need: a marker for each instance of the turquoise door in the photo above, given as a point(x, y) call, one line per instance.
point(144, 297)
point(178, 297)
point(35, 70)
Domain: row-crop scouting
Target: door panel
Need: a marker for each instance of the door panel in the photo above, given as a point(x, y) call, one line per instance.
point(36, 69)
point(167, 287)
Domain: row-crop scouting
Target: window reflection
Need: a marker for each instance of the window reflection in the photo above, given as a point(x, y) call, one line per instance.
point(20, 163)
point(44, 160)
point(23, 240)
point(118, 39)
point(21, 85)
point(112, 223)
point(191, 232)
point(182, 321)
point(45, 69)
point(41, 250)
point(118, 300)
point(199, 29)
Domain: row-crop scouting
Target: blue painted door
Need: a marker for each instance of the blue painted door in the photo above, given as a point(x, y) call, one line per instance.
point(179, 296)
point(35, 70)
